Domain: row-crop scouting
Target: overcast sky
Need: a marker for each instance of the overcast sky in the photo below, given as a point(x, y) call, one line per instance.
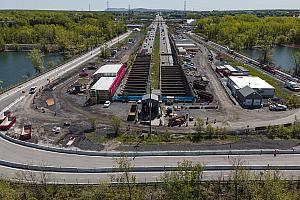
point(168, 4)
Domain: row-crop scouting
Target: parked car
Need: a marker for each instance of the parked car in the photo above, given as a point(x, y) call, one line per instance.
point(83, 74)
point(92, 67)
point(33, 90)
point(278, 107)
point(106, 104)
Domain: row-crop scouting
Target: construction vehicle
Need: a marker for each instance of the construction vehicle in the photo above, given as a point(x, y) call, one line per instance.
point(205, 95)
point(26, 133)
point(176, 121)
point(199, 85)
point(132, 113)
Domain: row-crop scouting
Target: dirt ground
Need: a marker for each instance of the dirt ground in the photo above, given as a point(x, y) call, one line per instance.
point(70, 109)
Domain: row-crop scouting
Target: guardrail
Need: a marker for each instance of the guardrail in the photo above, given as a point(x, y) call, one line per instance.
point(50, 69)
point(142, 169)
point(150, 153)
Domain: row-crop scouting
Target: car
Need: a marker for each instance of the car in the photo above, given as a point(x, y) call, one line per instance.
point(33, 90)
point(106, 104)
point(83, 74)
point(92, 67)
point(277, 107)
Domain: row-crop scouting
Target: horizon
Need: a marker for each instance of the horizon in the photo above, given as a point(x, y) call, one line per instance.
point(192, 5)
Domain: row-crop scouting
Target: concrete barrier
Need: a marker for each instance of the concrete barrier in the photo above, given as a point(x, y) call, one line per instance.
point(149, 153)
point(140, 169)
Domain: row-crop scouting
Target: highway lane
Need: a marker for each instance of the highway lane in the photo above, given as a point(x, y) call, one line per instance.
point(24, 155)
point(10, 96)
point(96, 178)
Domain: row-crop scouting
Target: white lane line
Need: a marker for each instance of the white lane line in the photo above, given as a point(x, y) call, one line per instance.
point(12, 104)
point(64, 68)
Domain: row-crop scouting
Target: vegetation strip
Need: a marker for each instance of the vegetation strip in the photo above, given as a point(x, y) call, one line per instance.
point(155, 69)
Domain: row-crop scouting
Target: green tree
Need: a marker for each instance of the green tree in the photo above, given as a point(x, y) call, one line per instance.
point(116, 123)
point(184, 183)
point(296, 57)
point(36, 57)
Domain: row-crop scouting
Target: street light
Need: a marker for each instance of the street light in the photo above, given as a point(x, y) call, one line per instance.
point(150, 104)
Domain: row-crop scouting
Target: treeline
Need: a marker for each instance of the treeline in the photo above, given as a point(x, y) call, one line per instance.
point(246, 31)
point(184, 184)
point(72, 32)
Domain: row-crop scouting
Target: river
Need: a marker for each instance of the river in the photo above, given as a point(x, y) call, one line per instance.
point(282, 56)
point(16, 66)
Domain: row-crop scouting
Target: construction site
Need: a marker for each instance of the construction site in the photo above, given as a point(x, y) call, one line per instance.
point(81, 104)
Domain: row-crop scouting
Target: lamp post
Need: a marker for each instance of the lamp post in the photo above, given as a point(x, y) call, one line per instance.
point(150, 105)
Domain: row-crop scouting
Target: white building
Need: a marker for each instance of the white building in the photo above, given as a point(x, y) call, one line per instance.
point(102, 90)
point(235, 83)
point(111, 70)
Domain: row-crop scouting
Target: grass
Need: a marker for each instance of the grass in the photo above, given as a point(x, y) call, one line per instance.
point(96, 139)
point(166, 138)
point(155, 69)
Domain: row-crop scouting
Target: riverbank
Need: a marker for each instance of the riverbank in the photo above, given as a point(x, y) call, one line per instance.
point(17, 67)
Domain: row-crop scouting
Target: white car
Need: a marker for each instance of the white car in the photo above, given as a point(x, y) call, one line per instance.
point(106, 104)
point(278, 107)
point(33, 90)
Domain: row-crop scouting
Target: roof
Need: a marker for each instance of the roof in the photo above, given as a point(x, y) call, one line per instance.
point(185, 45)
point(104, 83)
point(230, 68)
point(242, 69)
point(112, 69)
point(147, 96)
point(251, 81)
point(246, 91)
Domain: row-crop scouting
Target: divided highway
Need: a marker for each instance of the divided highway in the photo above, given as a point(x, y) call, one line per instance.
point(71, 168)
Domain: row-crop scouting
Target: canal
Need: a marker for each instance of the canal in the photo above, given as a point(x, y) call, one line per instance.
point(282, 56)
point(16, 66)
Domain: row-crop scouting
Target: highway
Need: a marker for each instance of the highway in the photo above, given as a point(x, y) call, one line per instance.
point(80, 167)
point(13, 96)
point(15, 153)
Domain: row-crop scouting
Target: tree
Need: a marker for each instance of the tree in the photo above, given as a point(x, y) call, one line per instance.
point(266, 56)
point(50, 64)
point(116, 123)
point(296, 57)
point(198, 135)
point(105, 53)
point(183, 183)
point(36, 57)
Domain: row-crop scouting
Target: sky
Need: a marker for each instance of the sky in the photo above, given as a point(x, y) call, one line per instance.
point(197, 5)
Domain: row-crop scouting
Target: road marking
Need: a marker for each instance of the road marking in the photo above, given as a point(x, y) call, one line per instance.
point(12, 104)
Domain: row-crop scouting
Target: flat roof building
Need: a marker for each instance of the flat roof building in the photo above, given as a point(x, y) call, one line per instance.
point(108, 70)
point(230, 68)
point(236, 83)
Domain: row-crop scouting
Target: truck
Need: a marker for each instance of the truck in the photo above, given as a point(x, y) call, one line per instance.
point(7, 122)
point(132, 113)
point(26, 133)
point(199, 85)
point(206, 96)
point(293, 86)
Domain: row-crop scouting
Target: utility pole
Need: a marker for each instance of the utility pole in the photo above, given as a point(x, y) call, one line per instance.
point(129, 12)
point(184, 9)
point(89, 7)
point(107, 5)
